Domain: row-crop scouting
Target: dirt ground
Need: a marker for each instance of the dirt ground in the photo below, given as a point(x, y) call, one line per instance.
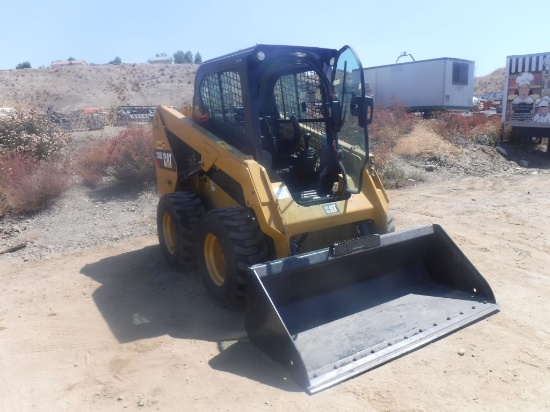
point(112, 328)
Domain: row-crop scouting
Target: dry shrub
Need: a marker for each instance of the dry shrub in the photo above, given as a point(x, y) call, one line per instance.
point(132, 156)
point(391, 174)
point(458, 128)
point(27, 185)
point(92, 163)
point(422, 141)
point(489, 132)
point(128, 157)
point(388, 126)
point(396, 133)
point(32, 152)
point(392, 123)
point(32, 135)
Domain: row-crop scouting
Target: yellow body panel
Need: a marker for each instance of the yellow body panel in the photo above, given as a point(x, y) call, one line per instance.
point(278, 215)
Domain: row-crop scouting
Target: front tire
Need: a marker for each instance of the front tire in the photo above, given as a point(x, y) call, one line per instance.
point(229, 241)
point(178, 215)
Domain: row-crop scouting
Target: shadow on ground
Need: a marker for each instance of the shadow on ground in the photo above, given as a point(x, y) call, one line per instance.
point(243, 359)
point(533, 157)
point(114, 191)
point(141, 297)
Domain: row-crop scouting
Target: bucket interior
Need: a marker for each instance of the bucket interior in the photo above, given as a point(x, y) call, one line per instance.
point(338, 316)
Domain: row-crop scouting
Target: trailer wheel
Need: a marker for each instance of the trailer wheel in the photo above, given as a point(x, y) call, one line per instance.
point(178, 215)
point(229, 241)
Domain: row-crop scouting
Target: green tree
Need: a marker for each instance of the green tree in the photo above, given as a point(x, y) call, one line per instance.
point(179, 57)
point(24, 65)
point(116, 61)
point(188, 57)
point(198, 58)
point(70, 59)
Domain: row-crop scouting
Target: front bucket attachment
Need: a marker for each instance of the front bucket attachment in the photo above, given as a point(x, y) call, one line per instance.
point(335, 313)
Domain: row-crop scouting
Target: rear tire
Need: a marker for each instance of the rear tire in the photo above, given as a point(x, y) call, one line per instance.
point(228, 242)
point(178, 215)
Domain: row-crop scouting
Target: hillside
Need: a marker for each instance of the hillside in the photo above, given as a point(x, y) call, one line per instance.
point(493, 82)
point(70, 88)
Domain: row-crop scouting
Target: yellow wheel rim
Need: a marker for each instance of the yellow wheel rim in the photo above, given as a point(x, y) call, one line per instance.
point(213, 256)
point(169, 233)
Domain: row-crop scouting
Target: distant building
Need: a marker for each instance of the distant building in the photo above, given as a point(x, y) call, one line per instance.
point(58, 63)
point(161, 60)
point(492, 96)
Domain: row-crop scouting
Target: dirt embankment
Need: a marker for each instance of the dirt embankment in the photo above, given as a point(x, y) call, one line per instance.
point(69, 88)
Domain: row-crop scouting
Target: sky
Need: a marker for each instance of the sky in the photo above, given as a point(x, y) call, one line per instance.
point(484, 31)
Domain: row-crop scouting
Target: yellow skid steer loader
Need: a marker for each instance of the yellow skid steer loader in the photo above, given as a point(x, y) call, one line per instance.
point(266, 185)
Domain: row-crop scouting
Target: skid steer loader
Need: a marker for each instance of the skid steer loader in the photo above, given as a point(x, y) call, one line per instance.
point(266, 184)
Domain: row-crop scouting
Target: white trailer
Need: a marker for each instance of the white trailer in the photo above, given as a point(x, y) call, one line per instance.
point(425, 85)
point(526, 100)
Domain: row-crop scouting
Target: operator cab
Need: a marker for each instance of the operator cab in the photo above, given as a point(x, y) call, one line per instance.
point(290, 108)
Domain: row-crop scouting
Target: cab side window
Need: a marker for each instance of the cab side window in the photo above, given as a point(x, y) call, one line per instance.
point(221, 106)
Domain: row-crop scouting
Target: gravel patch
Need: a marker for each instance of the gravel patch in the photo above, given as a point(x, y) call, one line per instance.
point(82, 218)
